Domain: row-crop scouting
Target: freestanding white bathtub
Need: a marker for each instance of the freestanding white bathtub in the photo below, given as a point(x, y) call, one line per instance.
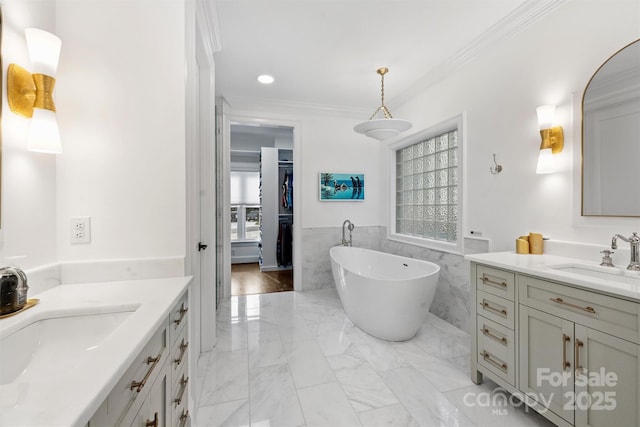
point(385, 295)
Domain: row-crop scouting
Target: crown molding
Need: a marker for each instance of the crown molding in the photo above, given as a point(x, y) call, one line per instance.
point(208, 12)
point(520, 18)
point(282, 105)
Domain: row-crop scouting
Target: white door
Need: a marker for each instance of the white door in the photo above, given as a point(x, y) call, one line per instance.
point(205, 196)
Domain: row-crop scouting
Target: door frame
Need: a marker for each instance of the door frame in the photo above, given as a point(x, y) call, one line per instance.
point(224, 162)
point(201, 42)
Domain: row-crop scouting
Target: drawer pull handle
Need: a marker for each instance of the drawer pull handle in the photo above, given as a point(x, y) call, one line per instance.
point(565, 363)
point(488, 281)
point(183, 388)
point(183, 349)
point(153, 422)
point(487, 306)
point(579, 345)
point(183, 310)
point(561, 301)
point(487, 356)
point(138, 385)
point(488, 333)
point(183, 418)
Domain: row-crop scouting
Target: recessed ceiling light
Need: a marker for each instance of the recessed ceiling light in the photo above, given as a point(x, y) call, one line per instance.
point(265, 79)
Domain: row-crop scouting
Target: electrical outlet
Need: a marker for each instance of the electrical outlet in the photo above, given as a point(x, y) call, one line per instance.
point(80, 229)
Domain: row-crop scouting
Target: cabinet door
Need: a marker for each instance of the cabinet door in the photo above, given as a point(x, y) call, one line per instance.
point(546, 356)
point(607, 380)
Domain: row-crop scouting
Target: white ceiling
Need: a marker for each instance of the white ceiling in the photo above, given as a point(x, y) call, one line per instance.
point(325, 52)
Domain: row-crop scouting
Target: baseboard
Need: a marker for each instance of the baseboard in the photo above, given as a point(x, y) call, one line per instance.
point(247, 259)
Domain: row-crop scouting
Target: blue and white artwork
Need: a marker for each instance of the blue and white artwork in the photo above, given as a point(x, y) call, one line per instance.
point(341, 186)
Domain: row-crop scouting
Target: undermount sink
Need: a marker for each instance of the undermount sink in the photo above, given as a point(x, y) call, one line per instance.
point(610, 274)
point(56, 343)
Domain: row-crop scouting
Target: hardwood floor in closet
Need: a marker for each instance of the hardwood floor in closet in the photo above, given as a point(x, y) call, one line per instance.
point(247, 279)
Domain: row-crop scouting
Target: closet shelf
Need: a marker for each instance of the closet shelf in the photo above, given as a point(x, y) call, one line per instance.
point(275, 219)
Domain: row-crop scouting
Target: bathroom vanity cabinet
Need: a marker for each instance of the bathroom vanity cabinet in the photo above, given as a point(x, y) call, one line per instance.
point(154, 390)
point(573, 354)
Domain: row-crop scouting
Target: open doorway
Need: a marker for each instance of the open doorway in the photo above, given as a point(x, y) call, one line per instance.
point(261, 208)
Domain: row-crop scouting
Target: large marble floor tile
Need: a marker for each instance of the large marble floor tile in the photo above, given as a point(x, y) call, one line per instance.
point(266, 348)
point(308, 364)
point(382, 355)
point(362, 385)
point(389, 416)
point(490, 405)
point(259, 308)
point(273, 397)
point(201, 369)
point(326, 405)
point(333, 337)
point(314, 312)
point(442, 339)
point(229, 414)
point(232, 310)
point(424, 402)
point(442, 374)
point(287, 317)
point(295, 359)
point(298, 331)
point(328, 296)
point(231, 336)
point(227, 378)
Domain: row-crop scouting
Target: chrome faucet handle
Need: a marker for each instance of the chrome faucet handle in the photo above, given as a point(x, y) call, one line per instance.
point(634, 243)
point(606, 258)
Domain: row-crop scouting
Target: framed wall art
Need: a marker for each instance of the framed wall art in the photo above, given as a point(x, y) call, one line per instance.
point(341, 187)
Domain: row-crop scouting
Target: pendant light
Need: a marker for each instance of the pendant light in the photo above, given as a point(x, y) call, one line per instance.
point(386, 127)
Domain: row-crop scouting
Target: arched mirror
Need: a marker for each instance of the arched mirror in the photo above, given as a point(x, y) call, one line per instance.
point(611, 137)
point(1, 81)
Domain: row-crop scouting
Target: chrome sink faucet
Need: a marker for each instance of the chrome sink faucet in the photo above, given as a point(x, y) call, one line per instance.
point(634, 241)
point(349, 225)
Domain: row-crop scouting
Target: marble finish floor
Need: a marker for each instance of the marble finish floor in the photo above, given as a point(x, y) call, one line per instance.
point(295, 359)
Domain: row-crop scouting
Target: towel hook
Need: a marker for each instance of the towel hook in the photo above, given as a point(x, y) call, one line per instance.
point(498, 167)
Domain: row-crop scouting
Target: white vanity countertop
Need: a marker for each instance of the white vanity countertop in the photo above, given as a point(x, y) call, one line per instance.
point(545, 266)
point(70, 398)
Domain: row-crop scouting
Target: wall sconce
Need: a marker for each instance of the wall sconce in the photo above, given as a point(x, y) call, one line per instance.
point(31, 94)
point(552, 139)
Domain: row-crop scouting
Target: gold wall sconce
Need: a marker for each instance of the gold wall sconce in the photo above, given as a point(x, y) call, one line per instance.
point(30, 94)
point(552, 139)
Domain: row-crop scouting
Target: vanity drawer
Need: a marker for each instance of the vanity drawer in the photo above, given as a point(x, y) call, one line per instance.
point(179, 355)
point(495, 281)
point(498, 309)
point(496, 349)
point(179, 401)
point(179, 317)
point(181, 417)
point(145, 369)
point(605, 313)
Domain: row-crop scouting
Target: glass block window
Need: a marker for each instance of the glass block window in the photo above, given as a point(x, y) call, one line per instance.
point(427, 196)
